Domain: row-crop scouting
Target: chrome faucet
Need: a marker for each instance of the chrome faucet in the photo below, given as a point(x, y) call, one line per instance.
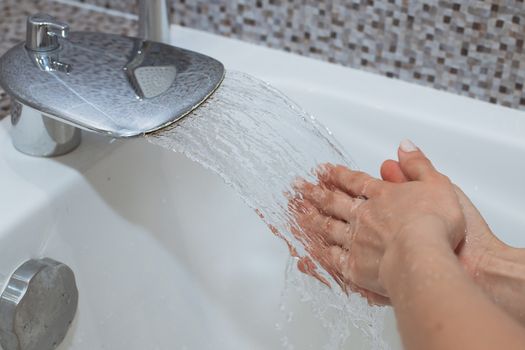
point(62, 81)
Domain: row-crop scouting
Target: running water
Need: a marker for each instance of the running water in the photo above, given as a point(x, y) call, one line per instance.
point(260, 142)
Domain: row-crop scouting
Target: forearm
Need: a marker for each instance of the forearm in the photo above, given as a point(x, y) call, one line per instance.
point(438, 307)
point(501, 275)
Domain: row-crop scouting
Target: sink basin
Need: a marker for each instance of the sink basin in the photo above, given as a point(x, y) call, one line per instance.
point(166, 255)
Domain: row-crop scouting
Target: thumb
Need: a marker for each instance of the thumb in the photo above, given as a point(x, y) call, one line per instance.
point(414, 164)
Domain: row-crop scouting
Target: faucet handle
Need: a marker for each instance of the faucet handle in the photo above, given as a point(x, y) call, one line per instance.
point(43, 31)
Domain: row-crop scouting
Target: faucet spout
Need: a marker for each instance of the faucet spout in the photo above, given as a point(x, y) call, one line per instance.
point(109, 84)
point(153, 20)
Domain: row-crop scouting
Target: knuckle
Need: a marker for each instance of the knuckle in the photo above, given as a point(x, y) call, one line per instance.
point(366, 217)
point(443, 179)
point(339, 173)
point(329, 197)
point(348, 213)
point(331, 203)
point(379, 187)
point(356, 176)
point(362, 176)
point(327, 225)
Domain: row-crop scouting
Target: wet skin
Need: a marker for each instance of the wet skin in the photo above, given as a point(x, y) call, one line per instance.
point(382, 237)
point(357, 216)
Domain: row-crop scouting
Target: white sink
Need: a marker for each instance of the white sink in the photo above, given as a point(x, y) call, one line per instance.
point(166, 256)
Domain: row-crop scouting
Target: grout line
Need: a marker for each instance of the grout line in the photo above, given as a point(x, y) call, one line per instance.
point(100, 9)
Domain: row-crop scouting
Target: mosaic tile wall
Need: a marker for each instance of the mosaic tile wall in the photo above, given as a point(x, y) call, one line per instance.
point(472, 48)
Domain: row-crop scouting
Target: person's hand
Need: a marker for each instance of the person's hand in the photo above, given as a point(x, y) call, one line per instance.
point(479, 240)
point(311, 233)
point(363, 220)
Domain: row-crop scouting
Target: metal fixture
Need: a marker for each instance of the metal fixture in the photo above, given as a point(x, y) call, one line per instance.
point(33, 132)
point(37, 306)
point(109, 84)
point(38, 135)
point(153, 21)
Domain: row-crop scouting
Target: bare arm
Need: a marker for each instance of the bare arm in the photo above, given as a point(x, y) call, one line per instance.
point(399, 240)
point(494, 266)
point(439, 307)
point(501, 275)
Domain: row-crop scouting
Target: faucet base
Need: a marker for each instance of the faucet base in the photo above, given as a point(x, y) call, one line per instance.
point(36, 134)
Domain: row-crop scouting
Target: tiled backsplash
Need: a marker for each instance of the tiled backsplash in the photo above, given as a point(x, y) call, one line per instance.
point(472, 48)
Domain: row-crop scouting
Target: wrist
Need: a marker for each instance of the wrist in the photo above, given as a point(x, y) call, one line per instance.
point(477, 250)
point(412, 250)
point(501, 275)
point(501, 268)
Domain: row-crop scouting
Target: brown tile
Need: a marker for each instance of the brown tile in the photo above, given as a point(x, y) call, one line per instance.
point(472, 48)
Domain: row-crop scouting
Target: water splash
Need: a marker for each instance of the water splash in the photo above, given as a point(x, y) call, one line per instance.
point(259, 142)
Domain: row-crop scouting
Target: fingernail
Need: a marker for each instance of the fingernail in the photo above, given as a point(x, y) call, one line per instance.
point(407, 146)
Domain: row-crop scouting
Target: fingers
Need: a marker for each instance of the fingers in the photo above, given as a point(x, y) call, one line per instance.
point(310, 240)
point(335, 232)
point(414, 164)
point(338, 258)
point(333, 259)
point(355, 183)
point(391, 172)
point(332, 203)
point(308, 267)
point(375, 299)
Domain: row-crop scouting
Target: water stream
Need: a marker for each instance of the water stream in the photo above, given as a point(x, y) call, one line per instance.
point(260, 142)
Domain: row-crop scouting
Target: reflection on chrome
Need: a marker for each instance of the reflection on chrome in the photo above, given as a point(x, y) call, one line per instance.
point(147, 79)
point(110, 84)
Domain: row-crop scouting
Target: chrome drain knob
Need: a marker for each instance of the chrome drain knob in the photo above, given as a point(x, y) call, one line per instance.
point(37, 306)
